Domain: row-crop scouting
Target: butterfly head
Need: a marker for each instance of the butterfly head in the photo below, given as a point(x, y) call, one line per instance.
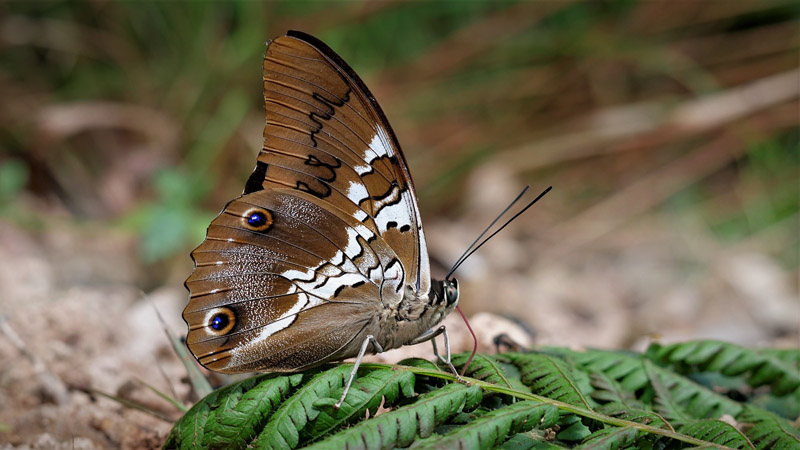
point(444, 296)
point(450, 292)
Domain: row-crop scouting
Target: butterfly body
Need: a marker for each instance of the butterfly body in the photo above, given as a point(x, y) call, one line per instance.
point(323, 256)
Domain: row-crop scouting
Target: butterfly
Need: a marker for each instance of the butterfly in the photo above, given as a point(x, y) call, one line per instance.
point(323, 256)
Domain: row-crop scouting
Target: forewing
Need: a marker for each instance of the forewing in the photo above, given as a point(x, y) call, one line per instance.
point(326, 135)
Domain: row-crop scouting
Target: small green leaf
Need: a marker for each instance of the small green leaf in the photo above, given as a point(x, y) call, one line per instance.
point(368, 392)
point(766, 430)
point(717, 432)
point(609, 438)
point(13, 176)
point(492, 428)
point(552, 377)
point(573, 429)
point(283, 428)
point(230, 417)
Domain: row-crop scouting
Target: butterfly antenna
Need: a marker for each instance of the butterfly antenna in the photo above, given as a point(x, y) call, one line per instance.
point(473, 247)
point(463, 255)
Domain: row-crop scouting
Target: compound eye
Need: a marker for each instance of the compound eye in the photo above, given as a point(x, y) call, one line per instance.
point(451, 293)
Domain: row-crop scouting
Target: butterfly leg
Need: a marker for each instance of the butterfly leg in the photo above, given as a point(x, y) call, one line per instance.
point(430, 335)
point(378, 349)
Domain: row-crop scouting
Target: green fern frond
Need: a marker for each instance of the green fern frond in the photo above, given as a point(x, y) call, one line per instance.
point(371, 390)
point(779, 369)
point(642, 416)
point(556, 398)
point(717, 432)
point(245, 409)
point(489, 369)
point(572, 429)
point(494, 427)
point(551, 377)
point(623, 367)
point(789, 356)
point(188, 432)
point(767, 430)
point(232, 416)
point(528, 441)
point(609, 390)
point(609, 438)
point(419, 362)
point(401, 427)
point(681, 400)
point(283, 429)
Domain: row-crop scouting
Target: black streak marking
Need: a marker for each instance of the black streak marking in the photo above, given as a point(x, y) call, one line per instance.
point(313, 132)
point(359, 85)
point(318, 285)
point(395, 201)
point(338, 291)
point(303, 186)
point(318, 273)
point(391, 224)
point(333, 104)
point(313, 161)
point(387, 193)
point(402, 272)
point(256, 180)
point(405, 228)
point(360, 249)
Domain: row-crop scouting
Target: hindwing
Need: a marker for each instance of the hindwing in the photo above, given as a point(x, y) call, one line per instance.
point(304, 260)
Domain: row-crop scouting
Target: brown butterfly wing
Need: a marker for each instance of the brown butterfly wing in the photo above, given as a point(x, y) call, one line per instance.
point(343, 240)
point(296, 291)
point(327, 135)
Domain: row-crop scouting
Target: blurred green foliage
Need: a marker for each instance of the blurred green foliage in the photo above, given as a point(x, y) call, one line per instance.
point(13, 177)
point(171, 220)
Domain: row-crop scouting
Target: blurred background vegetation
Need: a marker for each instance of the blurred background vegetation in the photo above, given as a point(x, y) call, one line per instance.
point(145, 118)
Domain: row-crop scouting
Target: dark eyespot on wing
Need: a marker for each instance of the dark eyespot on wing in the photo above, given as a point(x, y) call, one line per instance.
point(222, 322)
point(257, 219)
